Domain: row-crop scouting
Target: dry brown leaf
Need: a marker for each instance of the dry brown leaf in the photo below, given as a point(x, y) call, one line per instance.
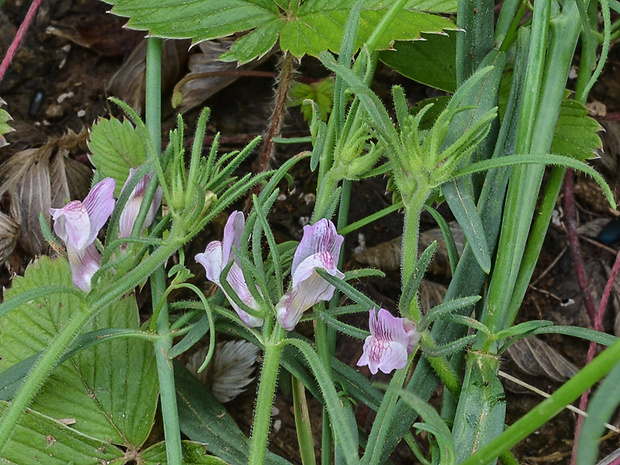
point(128, 82)
point(386, 256)
point(198, 85)
point(536, 357)
point(9, 232)
point(431, 294)
point(35, 180)
point(230, 370)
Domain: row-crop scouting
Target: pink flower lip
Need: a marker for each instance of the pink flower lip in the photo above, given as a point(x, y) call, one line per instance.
point(215, 259)
point(78, 224)
point(134, 203)
point(390, 343)
point(319, 248)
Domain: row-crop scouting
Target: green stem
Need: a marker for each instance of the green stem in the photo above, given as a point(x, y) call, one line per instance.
point(327, 188)
point(264, 402)
point(325, 337)
point(165, 371)
point(566, 394)
point(506, 20)
point(152, 103)
point(324, 350)
point(303, 426)
point(413, 209)
point(383, 420)
point(41, 370)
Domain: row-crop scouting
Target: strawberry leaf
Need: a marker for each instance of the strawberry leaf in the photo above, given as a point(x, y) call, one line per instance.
point(302, 29)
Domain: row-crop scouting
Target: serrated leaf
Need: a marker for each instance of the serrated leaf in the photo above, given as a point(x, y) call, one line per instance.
point(43, 440)
point(194, 453)
point(576, 132)
point(5, 117)
point(307, 28)
point(109, 389)
point(116, 146)
point(431, 61)
point(433, 6)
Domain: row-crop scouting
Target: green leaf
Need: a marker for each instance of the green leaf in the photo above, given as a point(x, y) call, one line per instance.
point(5, 117)
point(576, 133)
point(600, 410)
point(193, 454)
point(340, 413)
point(116, 146)
point(204, 419)
point(12, 377)
point(431, 61)
point(462, 204)
point(433, 424)
point(523, 329)
point(319, 92)
point(43, 440)
point(307, 28)
point(109, 389)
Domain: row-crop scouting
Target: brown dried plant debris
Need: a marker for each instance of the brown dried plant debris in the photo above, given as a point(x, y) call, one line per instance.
point(33, 181)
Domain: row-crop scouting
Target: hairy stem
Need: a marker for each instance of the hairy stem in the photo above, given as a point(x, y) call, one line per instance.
point(41, 370)
point(284, 83)
point(264, 402)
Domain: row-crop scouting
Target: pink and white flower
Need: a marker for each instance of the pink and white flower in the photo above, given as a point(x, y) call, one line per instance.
point(78, 224)
point(218, 255)
point(132, 207)
point(390, 343)
point(319, 248)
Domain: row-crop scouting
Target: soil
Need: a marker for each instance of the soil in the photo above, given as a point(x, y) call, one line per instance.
point(57, 83)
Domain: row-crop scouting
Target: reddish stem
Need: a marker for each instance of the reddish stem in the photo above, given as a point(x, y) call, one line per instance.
point(21, 32)
point(573, 241)
point(595, 317)
point(284, 82)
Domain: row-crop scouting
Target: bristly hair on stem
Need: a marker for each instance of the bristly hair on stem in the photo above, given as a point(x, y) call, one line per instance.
point(285, 77)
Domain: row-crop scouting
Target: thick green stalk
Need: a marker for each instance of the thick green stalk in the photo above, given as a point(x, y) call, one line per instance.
point(167, 392)
point(476, 18)
point(524, 182)
point(152, 101)
point(565, 32)
point(41, 370)
point(165, 371)
point(550, 55)
point(482, 399)
point(264, 402)
point(411, 231)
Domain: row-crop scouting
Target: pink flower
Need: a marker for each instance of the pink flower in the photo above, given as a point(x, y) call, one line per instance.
point(218, 255)
point(390, 342)
point(78, 224)
point(132, 207)
point(319, 248)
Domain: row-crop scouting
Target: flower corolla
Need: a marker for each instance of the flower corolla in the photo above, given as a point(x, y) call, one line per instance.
point(217, 256)
point(319, 248)
point(77, 224)
point(132, 207)
point(391, 341)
